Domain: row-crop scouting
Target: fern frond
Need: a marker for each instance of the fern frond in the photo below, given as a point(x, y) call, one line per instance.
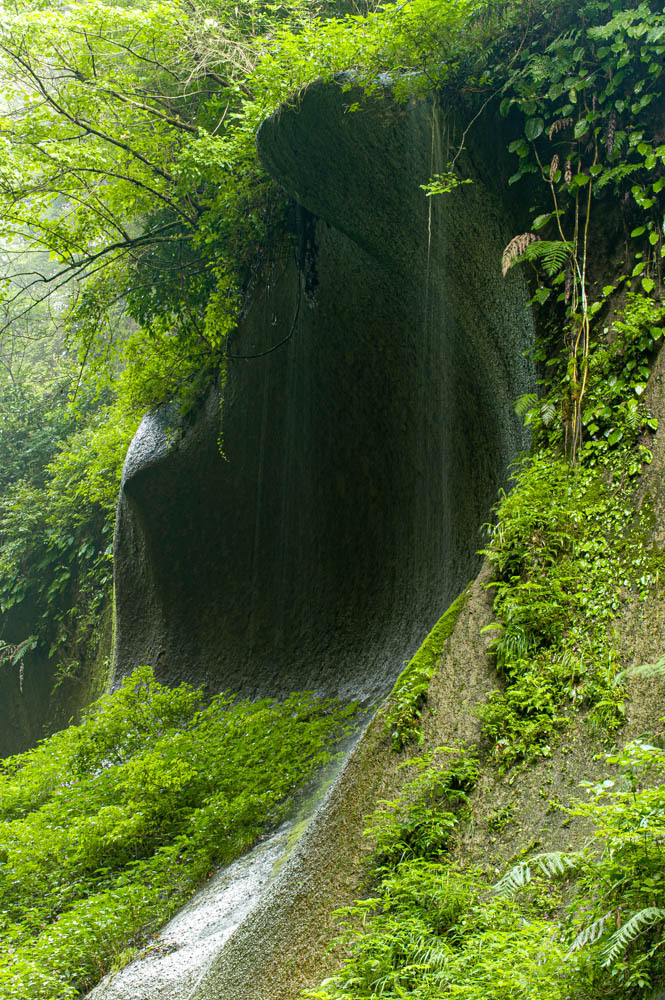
point(431, 958)
point(548, 412)
point(552, 254)
point(552, 863)
point(656, 669)
point(591, 934)
point(515, 249)
point(559, 124)
point(524, 403)
point(638, 924)
point(24, 647)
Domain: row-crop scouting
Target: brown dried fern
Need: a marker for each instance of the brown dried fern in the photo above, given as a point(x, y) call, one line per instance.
point(559, 124)
point(554, 166)
point(515, 249)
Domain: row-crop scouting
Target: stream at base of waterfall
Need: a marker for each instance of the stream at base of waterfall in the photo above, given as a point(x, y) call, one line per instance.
point(173, 961)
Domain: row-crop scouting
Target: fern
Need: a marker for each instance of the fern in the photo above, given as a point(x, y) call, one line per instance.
point(628, 932)
point(12, 654)
point(431, 958)
point(553, 863)
point(23, 648)
point(552, 254)
point(591, 934)
point(548, 412)
point(524, 403)
point(656, 669)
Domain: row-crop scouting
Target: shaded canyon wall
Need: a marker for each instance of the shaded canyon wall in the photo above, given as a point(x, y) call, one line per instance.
point(362, 456)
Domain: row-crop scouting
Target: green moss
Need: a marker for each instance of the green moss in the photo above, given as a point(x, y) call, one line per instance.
point(410, 691)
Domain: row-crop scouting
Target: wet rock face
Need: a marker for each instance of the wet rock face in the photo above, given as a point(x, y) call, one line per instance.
point(362, 456)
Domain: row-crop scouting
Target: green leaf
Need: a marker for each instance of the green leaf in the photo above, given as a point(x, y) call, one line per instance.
point(648, 285)
point(533, 128)
point(638, 231)
point(540, 221)
point(581, 128)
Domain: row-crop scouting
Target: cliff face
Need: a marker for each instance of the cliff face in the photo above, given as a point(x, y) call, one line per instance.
point(34, 700)
point(362, 455)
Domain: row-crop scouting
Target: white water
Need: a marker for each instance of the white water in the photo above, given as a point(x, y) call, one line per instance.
point(175, 958)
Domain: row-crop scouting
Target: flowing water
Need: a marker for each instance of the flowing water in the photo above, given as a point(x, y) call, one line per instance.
point(175, 958)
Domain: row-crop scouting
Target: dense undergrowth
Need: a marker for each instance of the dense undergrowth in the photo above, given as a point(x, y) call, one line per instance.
point(570, 549)
point(107, 827)
point(434, 928)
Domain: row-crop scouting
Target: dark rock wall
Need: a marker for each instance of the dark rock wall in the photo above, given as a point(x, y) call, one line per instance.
point(34, 702)
point(362, 456)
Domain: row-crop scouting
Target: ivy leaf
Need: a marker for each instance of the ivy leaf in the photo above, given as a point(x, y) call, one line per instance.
point(648, 286)
point(581, 128)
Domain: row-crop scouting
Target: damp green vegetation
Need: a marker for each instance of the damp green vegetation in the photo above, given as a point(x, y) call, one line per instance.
point(128, 164)
point(107, 827)
point(135, 215)
point(409, 694)
point(558, 926)
point(570, 548)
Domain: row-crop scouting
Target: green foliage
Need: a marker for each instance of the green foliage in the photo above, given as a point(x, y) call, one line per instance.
point(56, 534)
point(432, 931)
point(616, 916)
point(420, 823)
point(410, 691)
point(613, 415)
point(106, 827)
point(568, 548)
point(587, 95)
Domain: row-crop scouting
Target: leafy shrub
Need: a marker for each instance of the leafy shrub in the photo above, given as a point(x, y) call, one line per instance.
point(615, 923)
point(432, 930)
point(420, 823)
point(106, 827)
point(568, 549)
